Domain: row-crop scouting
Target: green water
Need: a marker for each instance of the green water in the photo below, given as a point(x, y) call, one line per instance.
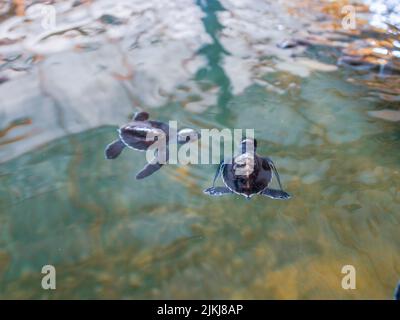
point(110, 236)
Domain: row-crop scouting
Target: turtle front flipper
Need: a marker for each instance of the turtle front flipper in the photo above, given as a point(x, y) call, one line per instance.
point(272, 165)
point(218, 172)
point(141, 116)
point(397, 292)
point(159, 160)
point(148, 170)
point(217, 191)
point(276, 194)
point(114, 149)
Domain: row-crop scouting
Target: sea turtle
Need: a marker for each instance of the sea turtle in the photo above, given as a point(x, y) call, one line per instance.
point(247, 174)
point(135, 135)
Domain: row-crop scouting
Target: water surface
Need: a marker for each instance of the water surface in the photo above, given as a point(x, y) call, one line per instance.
point(206, 64)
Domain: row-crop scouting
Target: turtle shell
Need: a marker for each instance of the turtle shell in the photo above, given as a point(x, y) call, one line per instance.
point(134, 134)
point(243, 181)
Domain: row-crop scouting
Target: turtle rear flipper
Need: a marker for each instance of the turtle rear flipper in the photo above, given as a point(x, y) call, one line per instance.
point(114, 149)
point(217, 191)
point(276, 194)
point(397, 292)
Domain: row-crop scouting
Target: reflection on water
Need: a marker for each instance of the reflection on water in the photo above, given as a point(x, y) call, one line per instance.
point(313, 93)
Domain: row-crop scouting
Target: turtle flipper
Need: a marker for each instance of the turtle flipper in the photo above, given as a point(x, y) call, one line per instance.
point(141, 116)
point(114, 149)
point(159, 160)
point(272, 165)
point(148, 170)
point(397, 292)
point(218, 172)
point(276, 194)
point(217, 191)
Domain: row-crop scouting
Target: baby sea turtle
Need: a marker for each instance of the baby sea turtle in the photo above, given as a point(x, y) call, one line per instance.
point(248, 174)
point(135, 135)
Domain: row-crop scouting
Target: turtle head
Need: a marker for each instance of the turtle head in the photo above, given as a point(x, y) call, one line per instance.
point(187, 135)
point(249, 145)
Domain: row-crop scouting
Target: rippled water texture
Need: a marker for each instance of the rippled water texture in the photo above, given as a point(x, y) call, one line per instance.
point(324, 103)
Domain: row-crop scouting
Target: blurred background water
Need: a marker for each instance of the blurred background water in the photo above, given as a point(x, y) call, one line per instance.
point(324, 103)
